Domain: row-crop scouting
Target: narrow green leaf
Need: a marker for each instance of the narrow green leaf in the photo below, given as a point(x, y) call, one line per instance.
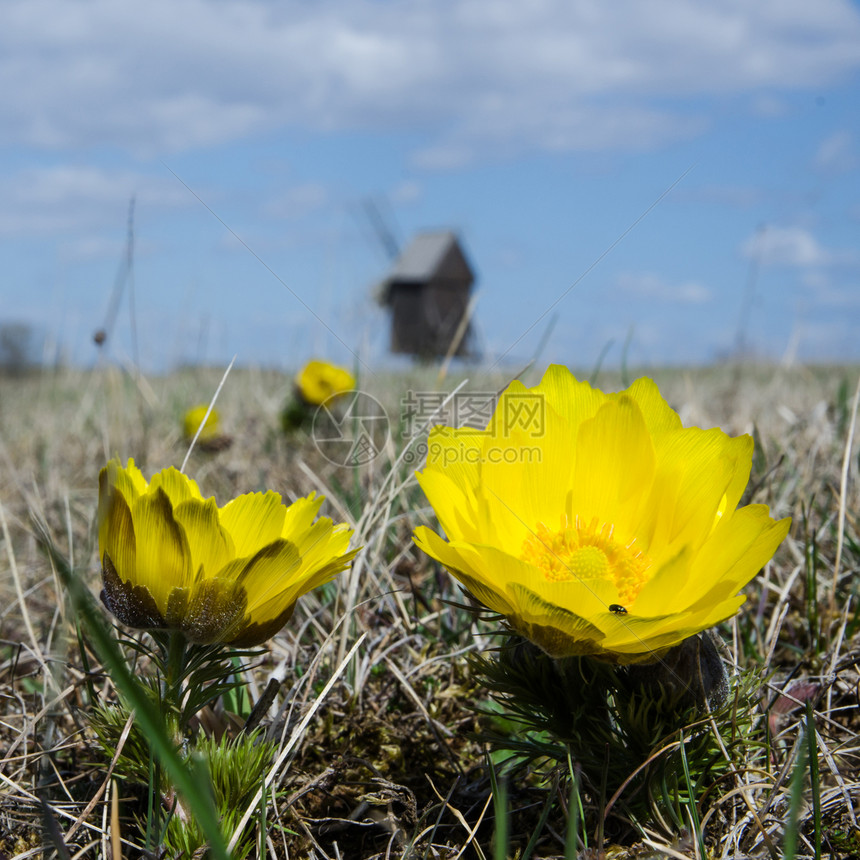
point(813, 777)
point(500, 807)
point(691, 799)
point(544, 816)
point(789, 845)
point(574, 808)
point(146, 714)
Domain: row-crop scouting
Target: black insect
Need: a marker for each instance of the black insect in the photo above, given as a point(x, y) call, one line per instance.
point(617, 608)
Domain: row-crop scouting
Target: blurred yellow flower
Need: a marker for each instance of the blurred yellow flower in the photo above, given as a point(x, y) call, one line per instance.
point(317, 381)
point(193, 419)
point(172, 559)
point(595, 523)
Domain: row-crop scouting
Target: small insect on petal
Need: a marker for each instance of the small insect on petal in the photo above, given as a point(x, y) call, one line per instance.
point(617, 608)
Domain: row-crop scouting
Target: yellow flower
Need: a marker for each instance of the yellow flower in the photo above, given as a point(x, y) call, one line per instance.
point(595, 523)
point(172, 559)
point(194, 417)
point(317, 381)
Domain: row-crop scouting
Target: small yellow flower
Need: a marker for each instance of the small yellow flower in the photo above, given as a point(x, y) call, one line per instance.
point(317, 381)
point(596, 523)
point(194, 417)
point(172, 559)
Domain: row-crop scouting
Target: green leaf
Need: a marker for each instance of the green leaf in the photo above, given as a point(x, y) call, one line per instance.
point(149, 719)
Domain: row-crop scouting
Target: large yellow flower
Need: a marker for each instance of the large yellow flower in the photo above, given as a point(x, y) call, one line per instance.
point(317, 381)
point(595, 523)
point(172, 559)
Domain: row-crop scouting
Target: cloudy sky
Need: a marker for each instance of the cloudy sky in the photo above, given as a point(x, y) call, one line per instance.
point(681, 176)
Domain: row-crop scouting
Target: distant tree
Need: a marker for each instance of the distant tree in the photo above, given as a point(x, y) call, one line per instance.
point(16, 348)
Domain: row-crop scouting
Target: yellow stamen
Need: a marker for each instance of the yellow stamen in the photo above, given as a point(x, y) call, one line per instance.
point(587, 553)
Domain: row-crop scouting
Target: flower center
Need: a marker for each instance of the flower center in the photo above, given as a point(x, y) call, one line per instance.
point(587, 553)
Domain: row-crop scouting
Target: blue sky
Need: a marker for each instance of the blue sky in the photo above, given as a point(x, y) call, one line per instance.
point(542, 132)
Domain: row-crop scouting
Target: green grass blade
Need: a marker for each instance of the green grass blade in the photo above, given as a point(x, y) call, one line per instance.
point(691, 794)
point(574, 808)
point(92, 698)
point(146, 714)
point(812, 744)
point(500, 807)
point(500, 804)
point(792, 826)
point(544, 816)
point(262, 827)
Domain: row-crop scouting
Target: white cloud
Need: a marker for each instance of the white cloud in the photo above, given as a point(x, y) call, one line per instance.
point(298, 201)
point(836, 153)
point(827, 340)
point(500, 130)
point(93, 247)
point(407, 191)
point(734, 196)
point(498, 75)
point(827, 291)
point(786, 246)
point(70, 198)
point(654, 288)
point(769, 106)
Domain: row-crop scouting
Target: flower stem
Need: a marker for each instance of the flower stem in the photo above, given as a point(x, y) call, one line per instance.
point(173, 691)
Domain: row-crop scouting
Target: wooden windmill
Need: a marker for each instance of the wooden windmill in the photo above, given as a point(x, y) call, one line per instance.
point(428, 290)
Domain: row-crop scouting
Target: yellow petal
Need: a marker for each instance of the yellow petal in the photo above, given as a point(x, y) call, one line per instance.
point(271, 599)
point(556, 629)
point(163, 558)
point(524, 482)
point(491, 594)
point(133, 476)
point(696, 470)
point(615, 466)
point(657, 597)
point(646, 639)
point(571, 399)
point(128, 481)
point(455, 505)
point(738, 551)
point(321, 543)
point(210, 545)
point(456, 453)
point(299, 516)
point(659, 416)
point(176, 485)
point(253, 521)
point(116, 529)
point(266, 576)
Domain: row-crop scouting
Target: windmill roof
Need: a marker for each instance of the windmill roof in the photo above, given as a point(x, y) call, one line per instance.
point(422, 256)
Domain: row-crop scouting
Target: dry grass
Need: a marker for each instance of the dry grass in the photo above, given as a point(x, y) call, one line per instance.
point(383, 762)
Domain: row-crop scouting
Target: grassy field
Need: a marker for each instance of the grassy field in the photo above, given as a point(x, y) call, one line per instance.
point(389, 760)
